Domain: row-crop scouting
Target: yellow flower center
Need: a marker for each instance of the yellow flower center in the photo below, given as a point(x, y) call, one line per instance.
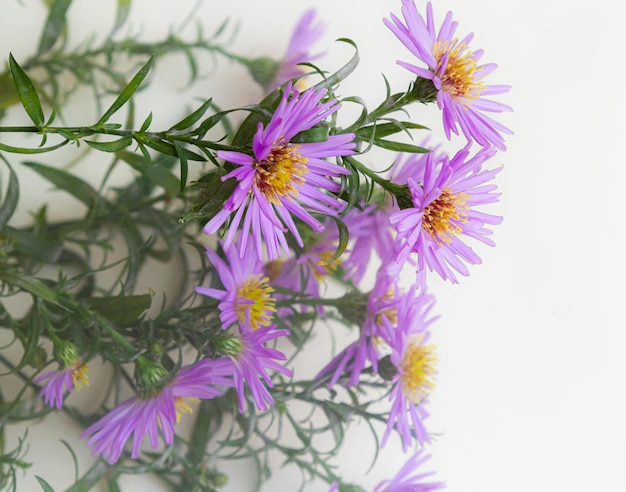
point(79, 375)
point(279, 174)
point(417, 370)
point(443, 216)
point(459, 74)
point(182, 406)
point(259, 312)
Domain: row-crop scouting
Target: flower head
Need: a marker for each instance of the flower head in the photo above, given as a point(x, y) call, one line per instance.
point(307, 32)
point(409, 367)
point(252, 362)
point(158, 410)
point(248, 297)
point(55, 383)
point(283, 178)
point(455, 73)
point(446, 195)
point(409, 478)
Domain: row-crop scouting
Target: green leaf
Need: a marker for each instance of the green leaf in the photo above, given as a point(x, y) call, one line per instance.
point(400, 147)
point(27, 93)
point(38, 150)
point(184, 166)
point(30, 284)
point(128, 91)
point(344, 237)
point(44, 485)
point(164, 178)
point(385, 129)
point(7, 207)
point(193, 117)
point(344, 71)
point(146, 124)
point(75, 186)
point(55, 25)
point(123, 8)
point(114, 146)
point(121, 309)
point(8, 94)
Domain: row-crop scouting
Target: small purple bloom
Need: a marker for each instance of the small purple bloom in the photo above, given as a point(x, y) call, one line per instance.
point(283, 179)
point(56, 383)
point(307, 32)
point(158, 412)
point(446, 195)
point(251, 365)
point(247, 298)
point(455, 73)
point(409, 479)
point(411, 365)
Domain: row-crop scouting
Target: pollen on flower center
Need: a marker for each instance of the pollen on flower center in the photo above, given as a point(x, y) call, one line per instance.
point(254, 303)
point(279, 174)
point(443, 216)
point(417, 370)
point(182, 406)
point(79, 375)
point(458, 76)
point(323, 267)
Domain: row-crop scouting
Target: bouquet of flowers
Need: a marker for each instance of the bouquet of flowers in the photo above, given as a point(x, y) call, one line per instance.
point(276, 226)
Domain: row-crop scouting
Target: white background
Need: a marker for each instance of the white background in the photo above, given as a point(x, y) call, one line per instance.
point(531, 382)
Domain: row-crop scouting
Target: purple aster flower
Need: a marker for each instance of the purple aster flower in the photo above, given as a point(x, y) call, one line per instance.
point(446, 194)
point(252, 362)
point(283, 179)
point(307, 32)
point(56, 383)
point(408, 478)
point(455, 73)
point(409, 367)
point(381, 308)
point(158, 411)
point(247, 298)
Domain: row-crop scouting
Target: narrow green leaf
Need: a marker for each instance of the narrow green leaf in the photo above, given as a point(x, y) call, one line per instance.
point(344, 237)
point(128, 91)
point(193, 117)
point(38, 150)
point(75, 186)
point(7, 207)
point(44, 485)
point(55, 25)
point(169, 149)
point(121, 309)
point(123, 9)
point(344, 71)
point(400, 147)
point(146, 124)
point(113, 146)
point(184, 166)
point(31, 284)
point(385, 129)
point(26, 92)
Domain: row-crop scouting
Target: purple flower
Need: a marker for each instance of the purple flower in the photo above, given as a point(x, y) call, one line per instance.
point(252, 362)
point(446, 194)
point(283, 179)
point(409, 368)
point(247, 298)
point(58, 382)
point(381, 308)
point(408, 478)
point(307, 32)
point(455, 73)
point(141, 415)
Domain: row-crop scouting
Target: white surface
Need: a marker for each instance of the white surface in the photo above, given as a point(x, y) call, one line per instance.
point(529, 395)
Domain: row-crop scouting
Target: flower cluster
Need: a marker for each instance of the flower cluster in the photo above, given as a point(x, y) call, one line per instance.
point(283, 210)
